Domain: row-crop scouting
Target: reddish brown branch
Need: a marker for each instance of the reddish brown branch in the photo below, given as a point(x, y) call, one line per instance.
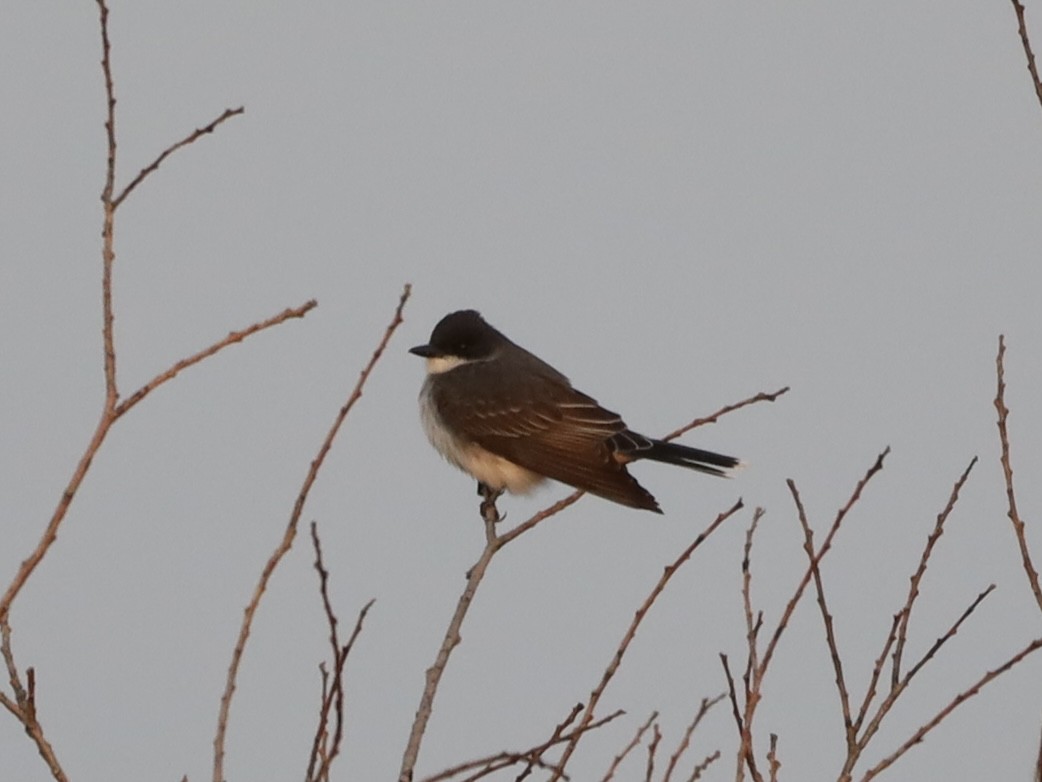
point(111, 410)
point(637, 737)
point(706, 762)
point(191, 137)
point(559, 730)
point(791, 605)
point(532, 757)
point(745, 738)
point(685, 742)
point(755, 674)
point(324, 750)
point(233, 337)
point(289, 534)
point(959, 699)
point(452, 638)
point(772, 758)
point(1007, 471)
point(1022, 28)
point(108, 418)
point(631, 631)
point(763, 396)
point(826, 617)
point(23, 707)
point(917, 577)
point(656, 737)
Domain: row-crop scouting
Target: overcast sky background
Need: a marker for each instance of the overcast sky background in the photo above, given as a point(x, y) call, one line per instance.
point(677, 204)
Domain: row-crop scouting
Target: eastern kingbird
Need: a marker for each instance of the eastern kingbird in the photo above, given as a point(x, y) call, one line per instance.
point(510, 420)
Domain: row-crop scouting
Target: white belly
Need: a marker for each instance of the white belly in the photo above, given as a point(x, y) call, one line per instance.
point(492, 470)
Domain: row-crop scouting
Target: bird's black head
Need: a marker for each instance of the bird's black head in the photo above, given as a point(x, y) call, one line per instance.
point(463, 334)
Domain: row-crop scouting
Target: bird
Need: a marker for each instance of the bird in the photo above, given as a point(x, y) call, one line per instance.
point(510, 420)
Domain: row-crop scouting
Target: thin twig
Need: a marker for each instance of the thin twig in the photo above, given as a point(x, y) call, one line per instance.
point(629, 747)
point(755, 676)
point(745, 739)
point(1026, 43)
point(772, 758)
point(111, 410)
point(1038, 762)
point(877, 670)
point(917, 577)
point(899, 627)
point(1007, 471)
point(108, 228)
point(500, 760)
point(763, 396)
point(872, 726)
point(752, 625)
point(542, 515)
point(791, 605)
point(288, 536)
point(333, 694)
point(700, 768)
point(451, 639)
point(638, 617)
point(826, 617)
point(685, 742)
point(24, 705)
point(963, 696)
point(233, 337)
point(559, 730)
point(656, 737)
point(191, 137)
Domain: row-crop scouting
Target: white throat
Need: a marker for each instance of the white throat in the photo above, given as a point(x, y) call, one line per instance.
point(438, 364)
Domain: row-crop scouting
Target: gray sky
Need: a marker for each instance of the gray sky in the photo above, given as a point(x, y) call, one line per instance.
point(678, 205)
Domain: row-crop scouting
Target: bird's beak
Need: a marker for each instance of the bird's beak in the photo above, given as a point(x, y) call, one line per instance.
point(424, 351)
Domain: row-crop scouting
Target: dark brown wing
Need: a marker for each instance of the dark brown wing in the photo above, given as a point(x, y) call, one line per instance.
point(543, 425)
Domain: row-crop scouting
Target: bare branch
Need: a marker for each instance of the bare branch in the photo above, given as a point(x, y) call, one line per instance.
point(232, 338)
point(288, 536)
point(936, 647)
point(333, 695)
point(1022, 28)
point(1038, 763)
point(108, 253)
point(772, 758)
point(745, 738)
point(700, 769)
point(629, 747)
point(191, 137)
point(554, 737)
point(963, 696)
point(763, 396)
point(24, 705)
point(532, 757)
point(452, 639)
point(652, 749)
point(826, 617)
point(542, 515)
point(791, 605)
point(1007, 469)
point(917, 577)
point(685, 742)
point(752, 625)
point(631, 632)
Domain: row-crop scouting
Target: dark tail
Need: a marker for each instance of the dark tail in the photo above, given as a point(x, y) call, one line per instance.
point(692, 458)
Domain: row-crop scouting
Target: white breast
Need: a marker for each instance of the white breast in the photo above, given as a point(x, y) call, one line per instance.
point(492, 470)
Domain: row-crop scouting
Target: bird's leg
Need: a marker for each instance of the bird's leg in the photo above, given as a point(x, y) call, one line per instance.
point(489, 511)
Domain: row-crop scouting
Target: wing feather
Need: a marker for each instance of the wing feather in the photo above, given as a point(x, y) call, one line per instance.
point(545, 426)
